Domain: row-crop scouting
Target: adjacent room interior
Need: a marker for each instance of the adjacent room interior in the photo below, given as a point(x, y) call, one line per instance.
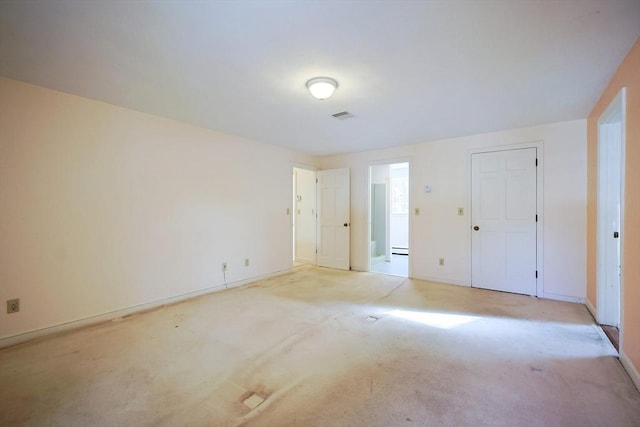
point(389, 218)
point(320, 213)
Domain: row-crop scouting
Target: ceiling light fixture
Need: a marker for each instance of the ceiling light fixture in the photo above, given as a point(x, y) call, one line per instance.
point(322, 87)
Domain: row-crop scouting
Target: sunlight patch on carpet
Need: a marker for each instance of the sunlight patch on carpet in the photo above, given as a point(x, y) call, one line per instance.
point(437, 320)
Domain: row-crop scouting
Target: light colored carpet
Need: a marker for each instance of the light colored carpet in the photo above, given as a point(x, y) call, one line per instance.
point(327, 348)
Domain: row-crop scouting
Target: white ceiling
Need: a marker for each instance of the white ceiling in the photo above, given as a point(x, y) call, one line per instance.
point(409, 71)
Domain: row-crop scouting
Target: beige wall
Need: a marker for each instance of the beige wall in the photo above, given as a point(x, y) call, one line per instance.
point(104, 208)
point(438, 232)
point(627, 75)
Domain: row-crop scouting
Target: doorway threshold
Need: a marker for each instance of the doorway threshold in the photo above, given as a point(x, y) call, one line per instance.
point(398, 266)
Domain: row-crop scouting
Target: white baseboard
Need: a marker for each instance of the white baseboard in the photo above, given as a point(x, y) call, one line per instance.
point(117, 314)
point(576, 300)
point(631, 370)
point(591, 309)
point(443, 280)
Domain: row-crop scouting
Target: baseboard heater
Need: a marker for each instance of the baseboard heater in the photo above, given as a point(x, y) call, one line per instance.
point(399, 251)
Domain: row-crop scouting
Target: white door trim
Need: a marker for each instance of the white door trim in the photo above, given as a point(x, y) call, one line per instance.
point(367, 244)
point(605, 301)
point(539, 205)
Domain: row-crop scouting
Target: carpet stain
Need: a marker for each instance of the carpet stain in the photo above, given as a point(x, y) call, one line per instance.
point(302, 343)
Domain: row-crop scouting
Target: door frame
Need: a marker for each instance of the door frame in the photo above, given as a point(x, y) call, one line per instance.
point(539, 146)
point(367, 245)
point(605, 299)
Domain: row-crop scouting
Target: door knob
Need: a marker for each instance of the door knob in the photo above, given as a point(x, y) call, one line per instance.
point(616, 234)
point(346, 225)
point(476, 228)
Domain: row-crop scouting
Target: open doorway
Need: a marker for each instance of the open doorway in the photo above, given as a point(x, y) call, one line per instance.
point(611, 140)
point(304, 216)
point(389, 219)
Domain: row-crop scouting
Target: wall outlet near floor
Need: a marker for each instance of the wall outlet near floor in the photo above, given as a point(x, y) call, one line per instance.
point(13, 305)
point(224, 266)
point(246, 262)
point(441, 261)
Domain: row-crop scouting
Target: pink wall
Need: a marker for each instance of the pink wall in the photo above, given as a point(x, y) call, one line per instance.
point(627, 75)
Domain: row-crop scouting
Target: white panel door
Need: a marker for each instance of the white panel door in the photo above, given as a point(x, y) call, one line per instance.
point(610, 179)
point(503, 215)
point(333, 221)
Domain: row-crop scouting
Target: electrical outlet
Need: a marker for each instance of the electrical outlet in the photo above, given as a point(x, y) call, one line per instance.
point(417, 211)
point(224, 266)
point(13, 305)
point(246, 262)
point(441, 261)
point(460, 211)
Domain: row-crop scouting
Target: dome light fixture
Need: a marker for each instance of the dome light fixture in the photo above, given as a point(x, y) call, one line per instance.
point(322, 87)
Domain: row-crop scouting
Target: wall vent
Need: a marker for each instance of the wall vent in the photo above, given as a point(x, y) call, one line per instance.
point(342, 115)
